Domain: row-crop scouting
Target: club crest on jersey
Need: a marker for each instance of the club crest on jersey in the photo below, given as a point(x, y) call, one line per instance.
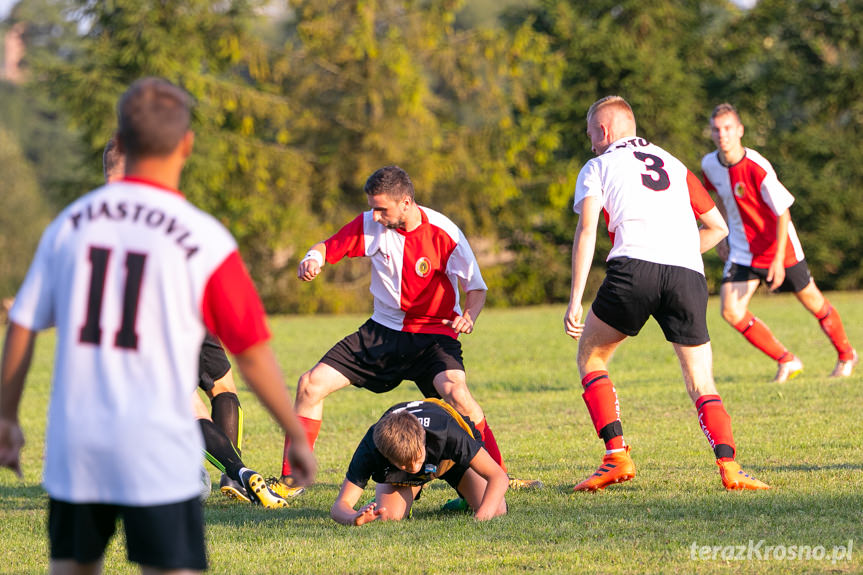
point(423, 267)
point(739, 189)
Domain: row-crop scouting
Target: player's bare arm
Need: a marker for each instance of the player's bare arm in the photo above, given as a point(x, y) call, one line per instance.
point(776, 272)
point(583, 246)
point(311, 264)
point(17, 355)
point(343, 511)
point(497, 482)
point(713, 229)
point(473, 303)
point(260, 370)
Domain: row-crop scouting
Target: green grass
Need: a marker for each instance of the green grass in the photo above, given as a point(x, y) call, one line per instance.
point(802, 437)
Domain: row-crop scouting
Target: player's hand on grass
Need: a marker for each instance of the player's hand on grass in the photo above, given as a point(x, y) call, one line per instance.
point(368, 514)
point(304, 466)
point(572, 324)
point(11, 442)
point(460, 324)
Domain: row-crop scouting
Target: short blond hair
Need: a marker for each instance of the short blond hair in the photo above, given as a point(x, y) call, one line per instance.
point(615, 102)
point(400, 437)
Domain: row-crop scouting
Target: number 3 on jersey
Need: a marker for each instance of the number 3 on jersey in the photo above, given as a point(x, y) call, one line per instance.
point(654, 164)
point(91, 332)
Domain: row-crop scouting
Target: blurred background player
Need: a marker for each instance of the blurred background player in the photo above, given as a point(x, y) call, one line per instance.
point(419, 259)
point(222, 427)
point(654, 268)
point(132, 275)
point(412, 444)
point(763, 246)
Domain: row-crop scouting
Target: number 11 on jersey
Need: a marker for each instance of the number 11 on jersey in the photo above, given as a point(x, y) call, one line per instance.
point(91, 332)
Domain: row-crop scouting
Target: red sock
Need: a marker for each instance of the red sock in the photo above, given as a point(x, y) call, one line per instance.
point(760, 336)
point(601, 400)
point(490, 442)
point(311, 427)
point(716, 425)
point(831, 323)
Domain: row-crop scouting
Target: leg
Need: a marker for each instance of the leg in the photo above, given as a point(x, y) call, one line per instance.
point(595, 348)
point(395, 502)
point(828, 316)
point(452, 387)
point(696, 363)
point(312, 387)
point(735, 297)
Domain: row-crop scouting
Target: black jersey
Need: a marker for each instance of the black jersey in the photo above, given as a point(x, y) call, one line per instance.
point(449, 446)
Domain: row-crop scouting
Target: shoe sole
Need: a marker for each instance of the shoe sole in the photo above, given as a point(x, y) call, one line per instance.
point(234, 493)
point(262, 493)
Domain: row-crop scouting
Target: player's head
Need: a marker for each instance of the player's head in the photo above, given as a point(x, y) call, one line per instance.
point(401, 438)
point(608, 120)
point(153, 119)
point(726, 129)
point(390, 194)
point(113, 162)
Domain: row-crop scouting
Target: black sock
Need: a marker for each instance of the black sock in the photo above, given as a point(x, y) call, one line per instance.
point(219, 450)
point(227, 415)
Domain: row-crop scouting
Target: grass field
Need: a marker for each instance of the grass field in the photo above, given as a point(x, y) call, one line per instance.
point(803, 437)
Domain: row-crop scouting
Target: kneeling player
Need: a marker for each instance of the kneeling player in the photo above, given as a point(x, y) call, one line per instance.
point(409, 446)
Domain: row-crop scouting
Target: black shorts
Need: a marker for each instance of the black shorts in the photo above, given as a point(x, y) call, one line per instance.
point(797, 277)
point(379, 358)
point(634, 290)
point(161, 536)
point(213, 363)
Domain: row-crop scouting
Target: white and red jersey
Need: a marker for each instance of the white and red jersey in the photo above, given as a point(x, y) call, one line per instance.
point(753, 198)
point(415, 274)
point(651, 202)
point(131, 275)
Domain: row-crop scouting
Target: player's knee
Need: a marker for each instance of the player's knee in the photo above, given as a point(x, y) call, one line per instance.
point(225, 384)
point(732, 314)
point(311, 389)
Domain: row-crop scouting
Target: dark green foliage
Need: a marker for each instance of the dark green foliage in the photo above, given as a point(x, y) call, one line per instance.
point(482, 103)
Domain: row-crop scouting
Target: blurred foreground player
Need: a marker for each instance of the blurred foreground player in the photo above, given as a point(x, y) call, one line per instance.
point(412, 444)
point(654, 268)
point(132, 276)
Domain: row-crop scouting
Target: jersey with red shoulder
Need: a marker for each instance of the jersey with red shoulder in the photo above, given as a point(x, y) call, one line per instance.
point(136, 275)
point(650, 200)
point(753, 198)
point(416, 274)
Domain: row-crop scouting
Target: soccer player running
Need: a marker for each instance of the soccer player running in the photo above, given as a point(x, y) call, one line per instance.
point(763, 246)
point(222, 426)
point(132, 275)
point(654, 268)
point(419, 259)
point(412, 444)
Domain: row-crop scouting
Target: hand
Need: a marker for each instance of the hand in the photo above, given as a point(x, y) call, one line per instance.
point(776, 275)
point(304, 467)
point(11, 442)
point(369, 513)
point(722, 250)
point(572, 321)
point(460, 324)
point(308, 270)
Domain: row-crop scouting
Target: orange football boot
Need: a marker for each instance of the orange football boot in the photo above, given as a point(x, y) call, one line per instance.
point(734, 478)
point(616, 467)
